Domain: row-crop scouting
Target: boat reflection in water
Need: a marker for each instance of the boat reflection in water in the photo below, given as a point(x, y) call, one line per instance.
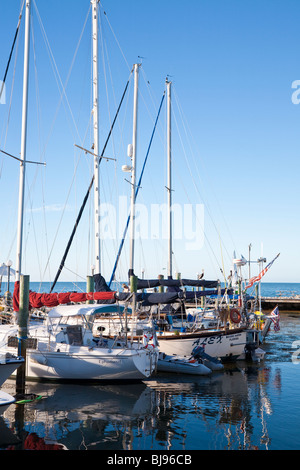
point(85, 416)
point(226, 410)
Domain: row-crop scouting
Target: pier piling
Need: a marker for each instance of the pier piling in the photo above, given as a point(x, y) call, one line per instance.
point(22, 331)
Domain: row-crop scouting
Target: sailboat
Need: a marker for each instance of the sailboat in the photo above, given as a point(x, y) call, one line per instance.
point(8, 364)
point(63, 348)
point(223, 343)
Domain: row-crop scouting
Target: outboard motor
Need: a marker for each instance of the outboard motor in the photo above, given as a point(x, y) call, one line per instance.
point(211, 362)
point(250, 352)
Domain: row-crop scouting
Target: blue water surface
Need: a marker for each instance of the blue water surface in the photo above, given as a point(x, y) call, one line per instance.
point(246, 407)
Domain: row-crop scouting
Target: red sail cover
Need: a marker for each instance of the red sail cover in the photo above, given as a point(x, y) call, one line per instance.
point(37, 300)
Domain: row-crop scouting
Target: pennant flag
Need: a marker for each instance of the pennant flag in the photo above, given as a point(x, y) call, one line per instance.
point(261, 274)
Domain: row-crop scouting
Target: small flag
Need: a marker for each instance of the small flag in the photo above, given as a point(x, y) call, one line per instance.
point(275, 311)
point(275, 318)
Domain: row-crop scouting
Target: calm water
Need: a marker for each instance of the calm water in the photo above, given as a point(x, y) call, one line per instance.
point(246, 407)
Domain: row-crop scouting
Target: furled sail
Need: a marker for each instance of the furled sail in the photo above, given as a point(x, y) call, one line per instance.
point(38, 300)
point(150, 283)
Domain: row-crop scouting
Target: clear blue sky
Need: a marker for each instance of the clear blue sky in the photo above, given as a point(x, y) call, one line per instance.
point(232, 64)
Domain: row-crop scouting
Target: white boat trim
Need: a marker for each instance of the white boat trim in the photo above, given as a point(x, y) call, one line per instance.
point(8, 365)
point(5, 400)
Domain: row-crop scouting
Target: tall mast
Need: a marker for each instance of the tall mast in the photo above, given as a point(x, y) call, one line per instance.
point(133, 170)
point(169, 187)
point(23, 141)
point(96, 136)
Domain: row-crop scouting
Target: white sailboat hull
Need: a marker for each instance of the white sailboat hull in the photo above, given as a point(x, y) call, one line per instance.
point(218, 344)
point(5, 400)
point(94, 365)
point(7, 367)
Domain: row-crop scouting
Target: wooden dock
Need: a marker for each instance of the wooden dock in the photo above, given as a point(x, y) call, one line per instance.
point(285, 304)
point(288, 304)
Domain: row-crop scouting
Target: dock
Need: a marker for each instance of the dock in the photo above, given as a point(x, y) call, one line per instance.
point(285, 304)
point(288, 304)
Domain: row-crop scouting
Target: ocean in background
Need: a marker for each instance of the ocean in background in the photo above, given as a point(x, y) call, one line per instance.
point(268, 289)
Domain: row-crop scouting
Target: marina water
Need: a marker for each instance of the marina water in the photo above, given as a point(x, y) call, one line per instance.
point(246, 407)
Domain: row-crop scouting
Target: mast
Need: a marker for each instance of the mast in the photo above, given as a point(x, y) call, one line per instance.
point(169, 184)
point(132, 154)
point(23, 141)
point(96, 137)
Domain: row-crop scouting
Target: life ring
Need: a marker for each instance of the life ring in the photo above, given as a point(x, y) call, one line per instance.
point(146, 340)
point(235, 315)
